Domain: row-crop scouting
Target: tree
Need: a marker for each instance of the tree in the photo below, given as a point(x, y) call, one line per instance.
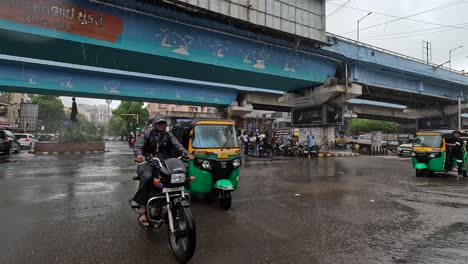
point(130, 122)
point(50, 111)
point(117, 127)
point(360, 125)
point(86, 126)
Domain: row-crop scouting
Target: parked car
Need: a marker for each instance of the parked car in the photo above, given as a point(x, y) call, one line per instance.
point(364, 141)
point(405, 149)
point(392, 145)
point(8, 142)
point(26, 140)
point(43, 138)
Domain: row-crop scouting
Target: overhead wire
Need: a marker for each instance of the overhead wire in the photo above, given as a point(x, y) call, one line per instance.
point(340, 7)
point(437, 29)
point(458, 2)
point(388, 15)
point(412, 35)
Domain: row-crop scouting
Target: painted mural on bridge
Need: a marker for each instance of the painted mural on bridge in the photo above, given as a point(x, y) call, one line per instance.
point(153, 35)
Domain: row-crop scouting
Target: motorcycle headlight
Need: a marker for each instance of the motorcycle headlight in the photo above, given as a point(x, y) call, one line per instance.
point(236, 163)
point(178, 178)
point(413, 154)
point(206, 164)
point(432, 155)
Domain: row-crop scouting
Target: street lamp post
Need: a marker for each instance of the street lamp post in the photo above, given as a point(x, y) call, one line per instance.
point(360, 21)
point(108, 102)
point(136, 116)
point(459, 111)
point(450, 56)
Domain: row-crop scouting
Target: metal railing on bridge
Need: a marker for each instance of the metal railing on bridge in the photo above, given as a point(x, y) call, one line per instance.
point(394, 53)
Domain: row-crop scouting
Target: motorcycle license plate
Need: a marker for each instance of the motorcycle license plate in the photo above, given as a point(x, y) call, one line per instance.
point(223, 155)
point(175, 189)
point(223, 165)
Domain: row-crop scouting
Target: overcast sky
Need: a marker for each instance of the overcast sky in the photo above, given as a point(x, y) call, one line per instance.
point(443, 23)
point(406, 36)
point(67, 101)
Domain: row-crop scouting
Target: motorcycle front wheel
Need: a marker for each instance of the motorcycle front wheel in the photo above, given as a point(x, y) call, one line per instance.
point(225, 200)
point(183, 240)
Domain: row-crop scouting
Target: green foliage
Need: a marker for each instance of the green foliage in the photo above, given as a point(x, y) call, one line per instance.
point(122, 125)
point(87, 127)
point(360, 125)
point(79, 136)
point(117, 126)
point(50, 111)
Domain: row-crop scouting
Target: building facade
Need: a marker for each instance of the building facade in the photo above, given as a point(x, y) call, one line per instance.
point(176, 112)
point(10, 104)
point(97, 114)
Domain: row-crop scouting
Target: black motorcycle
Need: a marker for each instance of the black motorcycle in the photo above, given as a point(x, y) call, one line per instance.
point(168, 203)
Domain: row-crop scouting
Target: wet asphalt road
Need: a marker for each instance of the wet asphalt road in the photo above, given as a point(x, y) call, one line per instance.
point(73, 209)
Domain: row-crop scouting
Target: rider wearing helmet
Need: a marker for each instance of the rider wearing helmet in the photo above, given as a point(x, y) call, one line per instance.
point(156, 142)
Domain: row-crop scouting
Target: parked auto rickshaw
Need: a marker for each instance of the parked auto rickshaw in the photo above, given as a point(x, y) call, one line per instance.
point(216, 164)
point(430, 152)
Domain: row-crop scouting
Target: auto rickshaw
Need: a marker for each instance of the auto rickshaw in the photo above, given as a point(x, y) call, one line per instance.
point(216, 163)
point(430, 152)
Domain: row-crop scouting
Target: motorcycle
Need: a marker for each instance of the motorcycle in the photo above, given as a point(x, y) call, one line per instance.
point(169, 204)
point(276, 151)
point(131, 143)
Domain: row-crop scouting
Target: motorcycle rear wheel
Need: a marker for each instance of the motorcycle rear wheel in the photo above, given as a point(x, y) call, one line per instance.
point(183, 240)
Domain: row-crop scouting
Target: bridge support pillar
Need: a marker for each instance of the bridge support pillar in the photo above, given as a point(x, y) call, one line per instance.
point(236, 110)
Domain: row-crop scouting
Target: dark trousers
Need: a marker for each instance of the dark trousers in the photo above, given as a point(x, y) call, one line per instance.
point(459, 158)
point(448, 161)
point(246, 148)
point(145, 172)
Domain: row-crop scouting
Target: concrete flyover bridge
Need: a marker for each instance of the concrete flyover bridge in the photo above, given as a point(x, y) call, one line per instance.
point(148, 51)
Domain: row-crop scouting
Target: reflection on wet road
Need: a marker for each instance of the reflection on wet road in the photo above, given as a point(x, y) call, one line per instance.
point(73, 209)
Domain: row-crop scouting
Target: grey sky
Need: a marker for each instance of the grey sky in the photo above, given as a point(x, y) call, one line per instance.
point(67, 101)
point(387, 35)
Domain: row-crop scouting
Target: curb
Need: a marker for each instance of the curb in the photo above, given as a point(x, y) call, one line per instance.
point(331, 155)
point(66, 152)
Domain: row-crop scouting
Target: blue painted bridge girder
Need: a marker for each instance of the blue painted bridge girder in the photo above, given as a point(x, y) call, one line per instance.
point(376, 67)
point(42, 77)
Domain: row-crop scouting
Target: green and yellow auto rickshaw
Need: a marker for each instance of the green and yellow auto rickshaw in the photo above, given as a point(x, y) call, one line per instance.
point(217, 161)
point(429, 155)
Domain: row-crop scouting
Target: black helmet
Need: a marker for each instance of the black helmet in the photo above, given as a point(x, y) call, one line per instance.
point(159, 118)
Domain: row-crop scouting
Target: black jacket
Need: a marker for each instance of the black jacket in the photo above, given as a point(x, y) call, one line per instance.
point(162, 144)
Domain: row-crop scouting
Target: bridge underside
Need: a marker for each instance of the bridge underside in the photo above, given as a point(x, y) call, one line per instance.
point(409, 99)
point(43, 77)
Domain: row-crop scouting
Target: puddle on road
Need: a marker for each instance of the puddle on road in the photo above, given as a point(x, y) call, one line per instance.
point(38, 194)
point(446, 245)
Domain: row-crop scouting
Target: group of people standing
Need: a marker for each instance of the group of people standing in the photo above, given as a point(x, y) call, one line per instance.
point(254, 140)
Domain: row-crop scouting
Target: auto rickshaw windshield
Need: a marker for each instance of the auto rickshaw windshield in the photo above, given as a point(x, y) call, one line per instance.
point(215, 136)
point(428, 141)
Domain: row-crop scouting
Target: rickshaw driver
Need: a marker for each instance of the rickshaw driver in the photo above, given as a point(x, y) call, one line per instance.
point(457, 152)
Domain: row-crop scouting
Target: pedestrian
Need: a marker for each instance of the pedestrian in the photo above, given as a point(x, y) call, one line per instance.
point(457, 152)
point(310, 143)
point(245, 141)
point(257, 145)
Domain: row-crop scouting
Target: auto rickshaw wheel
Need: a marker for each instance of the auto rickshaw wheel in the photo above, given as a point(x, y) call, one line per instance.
point(420, 173)
point(225, 200)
